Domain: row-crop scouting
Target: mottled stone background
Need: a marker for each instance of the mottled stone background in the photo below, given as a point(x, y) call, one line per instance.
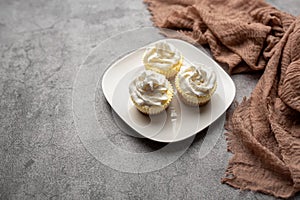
point(42, 44)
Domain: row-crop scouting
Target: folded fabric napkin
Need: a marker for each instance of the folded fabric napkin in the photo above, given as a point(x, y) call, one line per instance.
point(264, 130)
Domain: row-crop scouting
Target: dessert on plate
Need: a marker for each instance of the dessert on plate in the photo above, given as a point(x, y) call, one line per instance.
point(151, 92)
point(163, 58)
point(195, 84)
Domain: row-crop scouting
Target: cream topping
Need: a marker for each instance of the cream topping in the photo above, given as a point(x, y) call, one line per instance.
point(149, 88)
point(196, 80)
point(163, 55)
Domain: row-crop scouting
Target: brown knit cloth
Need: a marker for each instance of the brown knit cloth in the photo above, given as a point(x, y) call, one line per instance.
point(264, 130)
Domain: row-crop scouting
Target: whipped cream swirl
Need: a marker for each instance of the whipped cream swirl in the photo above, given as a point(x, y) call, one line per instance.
point(197, 80)
point(149, 88)
point(163, 55)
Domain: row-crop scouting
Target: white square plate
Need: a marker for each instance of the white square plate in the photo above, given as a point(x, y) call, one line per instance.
point(179, 121)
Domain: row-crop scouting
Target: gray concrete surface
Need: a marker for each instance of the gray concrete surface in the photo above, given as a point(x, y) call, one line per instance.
point(42, 44)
